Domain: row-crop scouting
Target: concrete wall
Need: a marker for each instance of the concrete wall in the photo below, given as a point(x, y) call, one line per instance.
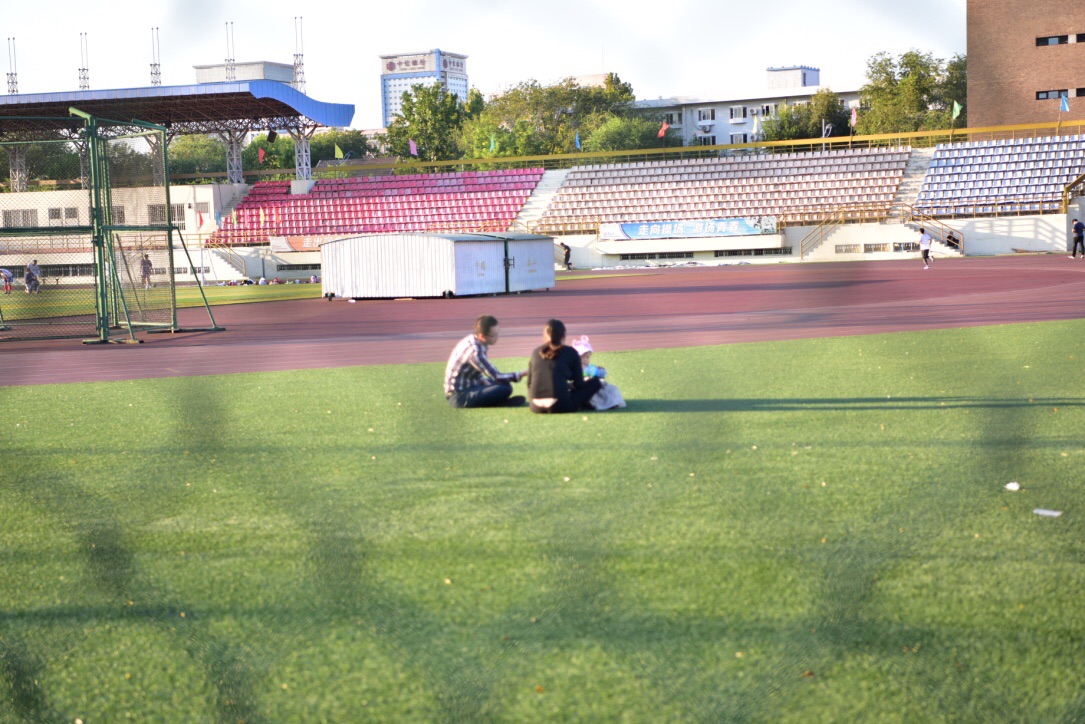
point(1050, 232)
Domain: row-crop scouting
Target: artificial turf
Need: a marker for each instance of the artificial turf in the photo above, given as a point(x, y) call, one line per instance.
point(807, 530)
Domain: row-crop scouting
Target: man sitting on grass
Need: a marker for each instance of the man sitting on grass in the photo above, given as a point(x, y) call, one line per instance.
point(471, 380)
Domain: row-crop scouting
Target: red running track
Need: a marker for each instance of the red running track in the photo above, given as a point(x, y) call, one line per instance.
point(620, 311)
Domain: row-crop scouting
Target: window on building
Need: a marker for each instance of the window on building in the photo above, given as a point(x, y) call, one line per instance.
point(118, 215)
point(769, 109)
point(1045, 95)
point(674, 119)
point(71, 212)
point(706, 114)
point(739, 138)
point(707, 140)
point(156, 215)
point(738, 113)
point(21, 218)
point(204, 207)
point(1053, 40)
point(54, 214)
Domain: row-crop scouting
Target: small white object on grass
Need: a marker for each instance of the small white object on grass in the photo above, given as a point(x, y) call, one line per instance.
point(1048, 513)
point(1012, 485)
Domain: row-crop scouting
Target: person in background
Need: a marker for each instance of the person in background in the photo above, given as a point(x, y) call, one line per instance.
point(30, 281)
point(36, 271)
point(555, 377)
point(7, 277)
point(566, 254)
point(925, 247)
point(471, 380)
point(146, 268)
point(1077, 230)
point(608, 396)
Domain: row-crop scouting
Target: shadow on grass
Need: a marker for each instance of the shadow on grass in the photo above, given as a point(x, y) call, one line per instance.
point(846, 403)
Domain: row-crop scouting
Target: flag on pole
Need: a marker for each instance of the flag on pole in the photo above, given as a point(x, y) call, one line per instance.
point(1064, 105)
point(260, 154)
point(493, 142)
point(199, 219)
point(957, 108)
point(338, 151)
point(414, 147)
point(756, 125)
point(854, 117)
point(662, 130)
point(577, 139)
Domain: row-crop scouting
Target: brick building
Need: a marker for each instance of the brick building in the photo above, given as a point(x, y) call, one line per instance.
point(1023, 57)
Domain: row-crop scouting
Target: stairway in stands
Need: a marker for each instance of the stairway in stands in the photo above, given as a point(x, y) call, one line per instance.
point(533, 209)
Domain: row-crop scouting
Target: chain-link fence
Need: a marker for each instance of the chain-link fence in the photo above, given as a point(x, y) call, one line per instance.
point(85, 239)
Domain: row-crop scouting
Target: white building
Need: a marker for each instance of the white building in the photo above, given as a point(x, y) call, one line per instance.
point(400, 72)
point(256, 70)
point(710, 122)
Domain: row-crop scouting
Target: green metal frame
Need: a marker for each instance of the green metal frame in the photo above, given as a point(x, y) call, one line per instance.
point(111, 303)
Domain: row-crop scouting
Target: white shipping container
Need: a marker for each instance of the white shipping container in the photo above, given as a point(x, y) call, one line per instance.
point(432, 265)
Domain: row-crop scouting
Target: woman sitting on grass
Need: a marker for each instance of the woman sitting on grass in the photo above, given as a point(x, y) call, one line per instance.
point(555, 377)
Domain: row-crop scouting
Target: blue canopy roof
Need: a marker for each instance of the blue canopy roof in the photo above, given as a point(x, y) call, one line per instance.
point(201, 108)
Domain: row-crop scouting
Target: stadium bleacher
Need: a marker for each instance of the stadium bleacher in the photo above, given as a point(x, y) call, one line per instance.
point(469, 201)
point(794, 187)
point(991, 177)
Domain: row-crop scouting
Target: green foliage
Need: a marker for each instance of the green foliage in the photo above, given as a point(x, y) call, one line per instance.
point(911, 93)
point(352, 143)
point(793, 122)
point(535, 119)
point(46, 161)
point(628, 133)
point(197, 154)
point(279, 154)
point(431, 117)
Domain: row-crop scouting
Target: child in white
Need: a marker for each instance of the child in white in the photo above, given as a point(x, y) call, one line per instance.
point(608, 396)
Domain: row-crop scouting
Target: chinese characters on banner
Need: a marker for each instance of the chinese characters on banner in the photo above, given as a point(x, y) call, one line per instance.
point(750, 226)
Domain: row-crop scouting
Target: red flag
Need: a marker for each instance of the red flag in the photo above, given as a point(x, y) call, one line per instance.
point(199, 220)
point(663, 130)
point(260, 154)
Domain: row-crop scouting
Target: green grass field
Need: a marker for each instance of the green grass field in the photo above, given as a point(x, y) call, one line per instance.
point(65, 301)
point(796, 531)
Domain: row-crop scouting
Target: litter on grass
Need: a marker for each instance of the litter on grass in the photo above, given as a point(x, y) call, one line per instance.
point(1048, 513)
point(1013, 486)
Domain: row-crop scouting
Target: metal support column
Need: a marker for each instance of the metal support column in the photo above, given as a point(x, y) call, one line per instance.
point(303, 160)
point(17, 172)
point(235, 171)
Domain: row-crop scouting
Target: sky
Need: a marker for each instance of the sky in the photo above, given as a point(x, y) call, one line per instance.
point(698, 48)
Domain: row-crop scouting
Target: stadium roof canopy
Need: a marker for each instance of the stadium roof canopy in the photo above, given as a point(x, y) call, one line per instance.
point(231, 107)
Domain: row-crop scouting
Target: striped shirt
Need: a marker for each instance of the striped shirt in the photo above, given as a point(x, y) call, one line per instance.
point(468, 367)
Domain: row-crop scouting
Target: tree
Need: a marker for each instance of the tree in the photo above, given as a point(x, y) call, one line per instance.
point(432, 118)
point(531, 119)
point(279, 154)
point(789, 123)
point(197, 154)
point(352, 143)
point(913, 92)
point(827, 108)
point(805, 120)
point(629, 134)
